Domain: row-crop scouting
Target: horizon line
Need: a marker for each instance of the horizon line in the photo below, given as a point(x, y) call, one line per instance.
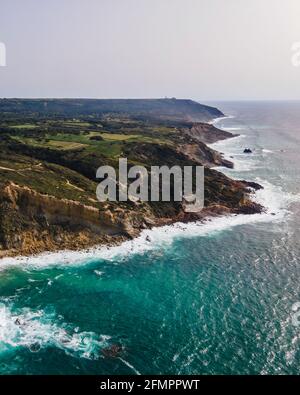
point(144, 98)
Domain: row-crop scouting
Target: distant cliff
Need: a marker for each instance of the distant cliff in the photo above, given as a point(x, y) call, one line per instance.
point(163, 109)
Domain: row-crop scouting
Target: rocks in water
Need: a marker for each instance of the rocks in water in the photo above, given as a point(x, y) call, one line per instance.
point(207, 133)
point(247, 151)
point(20, 322)
point(35, 347)
point(112, 351)
point(148, 238)
point(227, 163)
point(149, 222)
point(253, 185)
point(251, 208)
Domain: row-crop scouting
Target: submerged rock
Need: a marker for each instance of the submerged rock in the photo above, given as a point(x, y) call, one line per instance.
point(112, 351)
point(253, 185)
point(251, 208)
point(35, 347)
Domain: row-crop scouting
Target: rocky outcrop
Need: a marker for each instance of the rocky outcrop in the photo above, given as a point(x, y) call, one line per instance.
point(202, 154)
point(253, 185)
point(58, 211)
point(30, 222)
point(207, 133)
point(197, 136)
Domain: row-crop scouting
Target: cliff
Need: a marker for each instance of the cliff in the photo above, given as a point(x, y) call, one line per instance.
point(160, 109)
point(48, 164)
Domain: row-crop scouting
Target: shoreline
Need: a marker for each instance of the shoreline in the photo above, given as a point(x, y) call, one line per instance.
point(160, 238)
point(104, 249)
point(216, 120)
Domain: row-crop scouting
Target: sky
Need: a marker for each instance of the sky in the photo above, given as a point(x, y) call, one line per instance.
point(199, 49)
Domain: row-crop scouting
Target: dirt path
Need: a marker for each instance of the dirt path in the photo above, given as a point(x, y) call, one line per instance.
point(7, 169)
point(24, 169)
point(74, 186)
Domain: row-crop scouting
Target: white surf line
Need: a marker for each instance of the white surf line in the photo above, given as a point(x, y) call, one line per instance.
point(218, 119)
point(270, 197)
point(130, 366)
point(160, 237)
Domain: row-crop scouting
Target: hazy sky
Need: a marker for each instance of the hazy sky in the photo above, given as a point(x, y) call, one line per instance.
point(201, 49)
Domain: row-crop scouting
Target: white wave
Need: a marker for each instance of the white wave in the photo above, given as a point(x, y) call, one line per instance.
point(240, 165)
point(36, 330)
point(267, 151)
point(98, 273)
point(228, 145)
point(130, 366)
point(233, 129)
point(218, 119)
point(232, 150)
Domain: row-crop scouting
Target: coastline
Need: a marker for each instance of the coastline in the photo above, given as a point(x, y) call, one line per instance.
point(218, 119)
point(160, 237)
point(146, 239)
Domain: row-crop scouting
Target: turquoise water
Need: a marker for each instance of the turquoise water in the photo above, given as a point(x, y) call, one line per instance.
point(197, 299)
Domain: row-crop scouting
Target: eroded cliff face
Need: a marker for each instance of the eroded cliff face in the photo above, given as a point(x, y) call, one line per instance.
point(207, 133)
point(58, 211)
point(203, 155)
point(31, 222)
point(197, 136)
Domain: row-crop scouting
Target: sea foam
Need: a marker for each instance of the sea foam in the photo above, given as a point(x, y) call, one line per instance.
point(38, 329)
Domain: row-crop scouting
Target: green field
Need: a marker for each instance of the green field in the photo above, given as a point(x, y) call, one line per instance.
point(60, 155)
point(24, 126)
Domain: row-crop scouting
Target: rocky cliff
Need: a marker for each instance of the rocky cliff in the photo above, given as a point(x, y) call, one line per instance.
point(48, 163)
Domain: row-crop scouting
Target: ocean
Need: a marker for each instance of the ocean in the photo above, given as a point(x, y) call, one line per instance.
point(213, 298)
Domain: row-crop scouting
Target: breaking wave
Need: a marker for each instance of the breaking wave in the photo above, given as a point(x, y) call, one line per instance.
point(36, 330)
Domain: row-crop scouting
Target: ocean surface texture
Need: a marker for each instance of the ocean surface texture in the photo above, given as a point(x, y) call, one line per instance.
point(216, 298)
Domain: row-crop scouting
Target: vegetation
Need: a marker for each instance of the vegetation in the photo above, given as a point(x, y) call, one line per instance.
point(54, 148)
